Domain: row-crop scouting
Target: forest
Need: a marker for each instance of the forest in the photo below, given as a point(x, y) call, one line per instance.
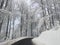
point(19, 18)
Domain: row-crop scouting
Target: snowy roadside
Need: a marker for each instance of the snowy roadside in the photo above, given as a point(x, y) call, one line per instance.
point(48, 37)
point(9, 42)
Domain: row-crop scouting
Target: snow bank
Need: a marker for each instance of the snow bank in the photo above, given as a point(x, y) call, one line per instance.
point(9, 42)
point(51, 37)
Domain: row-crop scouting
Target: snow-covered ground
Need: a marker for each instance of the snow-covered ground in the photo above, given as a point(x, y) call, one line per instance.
point(9, 42)
point(51, 37)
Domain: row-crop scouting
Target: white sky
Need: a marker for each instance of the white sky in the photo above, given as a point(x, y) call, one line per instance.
point(28, 1)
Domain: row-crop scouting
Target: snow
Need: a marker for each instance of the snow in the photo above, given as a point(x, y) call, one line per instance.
point(48, 37)
point(51, 37)
point(9, 42)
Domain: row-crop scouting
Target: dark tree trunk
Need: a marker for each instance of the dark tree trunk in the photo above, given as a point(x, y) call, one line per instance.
point(2, 4)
